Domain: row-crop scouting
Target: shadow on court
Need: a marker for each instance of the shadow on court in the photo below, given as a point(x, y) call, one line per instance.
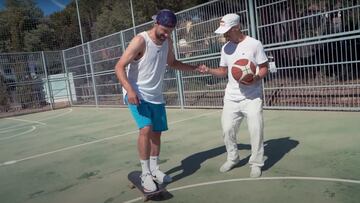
point(164, 196)
point(275, 149)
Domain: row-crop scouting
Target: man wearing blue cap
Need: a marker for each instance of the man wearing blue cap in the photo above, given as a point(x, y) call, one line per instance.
point(141, 70)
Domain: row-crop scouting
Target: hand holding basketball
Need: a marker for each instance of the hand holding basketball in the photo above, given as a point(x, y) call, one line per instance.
point(243, 71)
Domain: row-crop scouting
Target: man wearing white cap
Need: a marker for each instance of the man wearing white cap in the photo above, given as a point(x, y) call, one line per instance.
point(242, 99)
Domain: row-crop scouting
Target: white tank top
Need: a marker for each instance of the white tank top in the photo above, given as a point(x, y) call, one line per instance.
point(146, 74)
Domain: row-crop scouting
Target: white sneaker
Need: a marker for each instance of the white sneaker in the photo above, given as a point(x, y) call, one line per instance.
point(147, 183)
point(161, 177)
point(228, 165)
point(255, 172)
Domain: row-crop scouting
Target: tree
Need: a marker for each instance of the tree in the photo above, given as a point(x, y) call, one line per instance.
point(116, 15)
point(89, 10)
point(21, 15)
point(66, 28)
point(40, 39)
point(111, 20)
point(4, 95)
point(22, 20)
point(4, 33)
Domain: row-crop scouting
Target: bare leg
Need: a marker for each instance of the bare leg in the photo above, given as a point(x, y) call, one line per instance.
point(155, 140)
point(144, 146)
point(158, 175)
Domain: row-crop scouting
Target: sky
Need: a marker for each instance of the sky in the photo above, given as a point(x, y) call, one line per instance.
point(48, 6)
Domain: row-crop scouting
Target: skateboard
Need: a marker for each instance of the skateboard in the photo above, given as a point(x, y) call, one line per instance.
point(135, 182)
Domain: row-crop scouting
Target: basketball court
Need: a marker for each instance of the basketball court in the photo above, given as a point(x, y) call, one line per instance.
point(84, 155)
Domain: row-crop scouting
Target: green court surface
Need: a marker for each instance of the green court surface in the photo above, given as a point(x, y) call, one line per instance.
point(83, 155)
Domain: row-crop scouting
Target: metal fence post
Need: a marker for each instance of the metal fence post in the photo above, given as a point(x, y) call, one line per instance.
point(252, 17)
point(180, 85)
point(254, 32)
point(68, 85)
point(122, 41)
point(51, 98)
point(92, 74)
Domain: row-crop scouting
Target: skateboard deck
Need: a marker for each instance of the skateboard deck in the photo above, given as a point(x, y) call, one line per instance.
point(135, 181)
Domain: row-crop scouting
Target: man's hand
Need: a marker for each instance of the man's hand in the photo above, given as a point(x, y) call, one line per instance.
point(133, 98)
point(203, 69)
point(254, 79)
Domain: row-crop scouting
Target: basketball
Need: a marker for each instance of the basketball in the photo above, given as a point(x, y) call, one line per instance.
point(243, 70)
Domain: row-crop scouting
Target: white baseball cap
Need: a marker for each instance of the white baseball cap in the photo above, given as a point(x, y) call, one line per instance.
point(227, 22)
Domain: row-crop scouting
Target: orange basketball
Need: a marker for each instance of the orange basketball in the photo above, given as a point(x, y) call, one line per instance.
point(243, 70)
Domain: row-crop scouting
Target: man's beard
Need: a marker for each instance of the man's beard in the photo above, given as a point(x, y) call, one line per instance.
point(160, 37)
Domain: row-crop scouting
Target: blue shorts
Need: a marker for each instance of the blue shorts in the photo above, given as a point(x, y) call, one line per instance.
point(148, 114)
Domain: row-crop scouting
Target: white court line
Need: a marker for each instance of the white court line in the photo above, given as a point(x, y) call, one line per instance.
point(26, 121)
point(64, 149)
point(255, 179)
point(186, 119)
point(11, 128)
point(28, 131)
point(92, 142)
point(16, 127)
point(58, 115)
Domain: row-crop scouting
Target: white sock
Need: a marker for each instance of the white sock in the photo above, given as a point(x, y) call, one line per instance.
point(145, 166)
point(154, 163)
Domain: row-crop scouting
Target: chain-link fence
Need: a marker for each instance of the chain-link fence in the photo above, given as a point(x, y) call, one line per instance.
point(312, 47)
point(32, 82)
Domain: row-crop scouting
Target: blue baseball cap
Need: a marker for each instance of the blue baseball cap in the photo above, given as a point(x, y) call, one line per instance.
point(165, 18)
